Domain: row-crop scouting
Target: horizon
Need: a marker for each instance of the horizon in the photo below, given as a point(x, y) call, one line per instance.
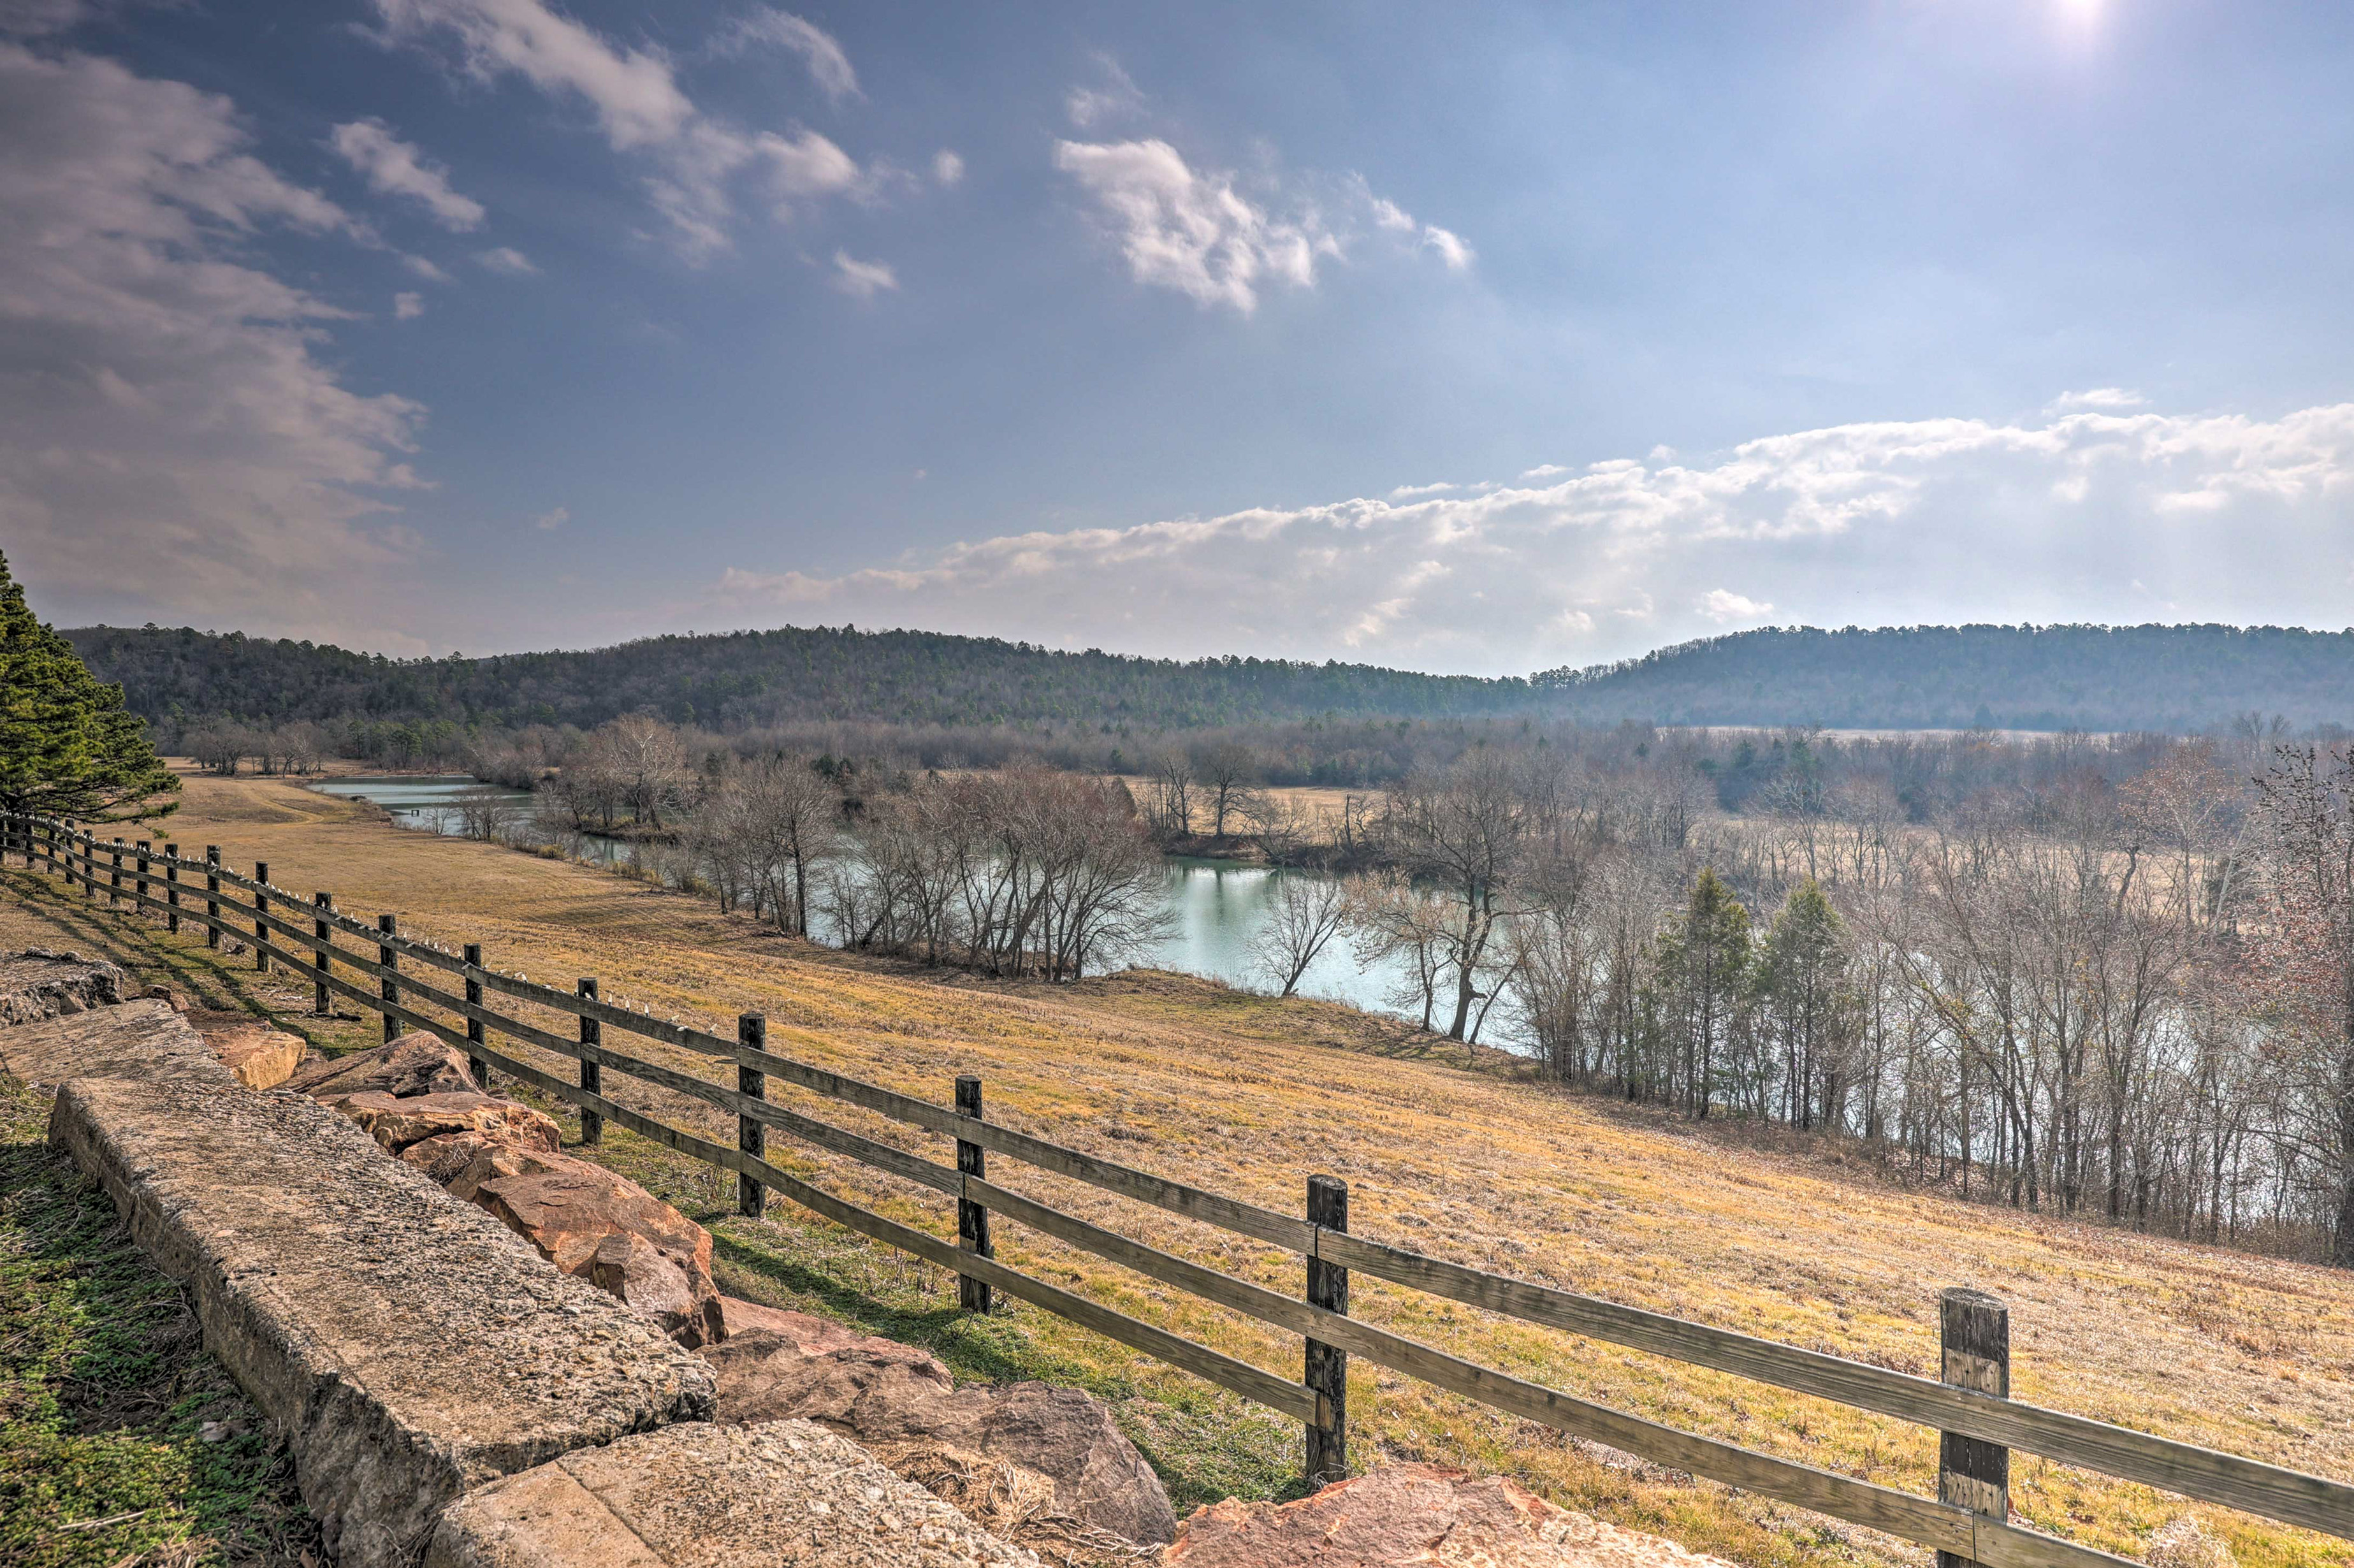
point(1513, 341)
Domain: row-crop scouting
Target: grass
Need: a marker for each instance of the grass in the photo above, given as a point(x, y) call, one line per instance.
point(104, 1392)
point(1462, 1159)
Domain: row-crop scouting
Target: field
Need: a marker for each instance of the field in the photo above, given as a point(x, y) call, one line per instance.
point(1248, 1096)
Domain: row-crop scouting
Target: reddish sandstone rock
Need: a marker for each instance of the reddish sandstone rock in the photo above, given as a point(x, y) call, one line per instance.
point(567, 1208)
point(413, 1065)
point(879, 1392)
point(446, 1156)
point(1416, 1516)
point(396, 1121)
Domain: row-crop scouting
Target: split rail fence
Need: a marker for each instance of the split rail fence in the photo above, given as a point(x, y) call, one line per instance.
point(1969, 1403)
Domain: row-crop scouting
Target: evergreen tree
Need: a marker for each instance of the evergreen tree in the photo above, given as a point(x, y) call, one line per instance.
point(1802, 984)
point(68, 745)
point(1705, 956)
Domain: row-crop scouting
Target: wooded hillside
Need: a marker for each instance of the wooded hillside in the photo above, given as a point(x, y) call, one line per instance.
point(2179, 678)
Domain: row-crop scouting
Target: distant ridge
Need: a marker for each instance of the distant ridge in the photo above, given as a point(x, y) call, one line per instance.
point(2180, 678)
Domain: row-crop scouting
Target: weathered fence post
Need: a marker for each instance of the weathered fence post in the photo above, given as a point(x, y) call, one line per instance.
point(387, 987)
point(82, 849)
point(1328, 1365)
point(751, 1137)
point(261, 907)
point(172, 887)
point(212, 895)
point(592, 1074)
point(972, 1218)
point(114, 877)
point(325, 905)
point(475, 1064)
point(1973, 1335)
point(144, 845)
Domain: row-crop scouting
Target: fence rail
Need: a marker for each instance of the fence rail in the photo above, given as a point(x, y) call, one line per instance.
point(1968, 1404)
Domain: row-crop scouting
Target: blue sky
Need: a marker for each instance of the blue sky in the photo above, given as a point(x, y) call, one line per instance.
point(1476, 337)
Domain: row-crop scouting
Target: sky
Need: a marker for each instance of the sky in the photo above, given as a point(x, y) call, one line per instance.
point(1480, 338)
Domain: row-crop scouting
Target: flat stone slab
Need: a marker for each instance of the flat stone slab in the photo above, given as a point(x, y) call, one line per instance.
point(40, 983)
point(409, 1346)
point(142, 1040)
point(783, 1494)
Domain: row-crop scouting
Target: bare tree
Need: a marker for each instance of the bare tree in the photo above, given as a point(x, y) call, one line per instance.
point(1304, 912)
point(1226, 771)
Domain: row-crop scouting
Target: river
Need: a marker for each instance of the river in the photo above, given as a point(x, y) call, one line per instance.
point(1216, 909)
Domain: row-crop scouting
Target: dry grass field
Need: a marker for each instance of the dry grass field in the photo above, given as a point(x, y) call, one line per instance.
point(1249, 1096)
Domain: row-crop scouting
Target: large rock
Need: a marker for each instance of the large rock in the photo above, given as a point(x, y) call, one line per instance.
point(136, 1041)
point(881, 1392)
point(786, 1495)
point(397, 1121)
point(260, 1055)
point(1423, 1515)
point(416, 1064)
point(408, 1347)
point(40, 983)
point(569, 1208)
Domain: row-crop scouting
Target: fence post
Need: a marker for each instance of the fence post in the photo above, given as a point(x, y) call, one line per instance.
point(172, 887)
point(212, 895)
point(1328, 1365)
point(324, 906)
point(114, 877)
point(751, 1137)
point(387, 987)
point(260, 906)
point(475, 1064)
point(592, 1074)
point(78, 848)
point(972, 1218)
point(144, 845)
point(1974, 1336)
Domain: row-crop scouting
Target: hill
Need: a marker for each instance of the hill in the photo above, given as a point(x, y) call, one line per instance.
point(2179, 678)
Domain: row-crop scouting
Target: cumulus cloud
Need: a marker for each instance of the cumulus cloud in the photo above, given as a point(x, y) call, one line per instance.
point(947, 167)
point(1725, 608)
point(828, 66)
point(696, 163)
point(2226, 518)
point(392, 167)
point(862, 279)
point(506, 259)
point(170, 438)
point(408, 307)
point(550, 521)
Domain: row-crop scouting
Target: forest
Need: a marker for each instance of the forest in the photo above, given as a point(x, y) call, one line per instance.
point(975, 691)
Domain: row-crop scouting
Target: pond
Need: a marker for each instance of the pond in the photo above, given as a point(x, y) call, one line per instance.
point(1217, 909)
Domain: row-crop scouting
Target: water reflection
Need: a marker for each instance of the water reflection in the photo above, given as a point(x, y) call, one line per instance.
point(1217, 909)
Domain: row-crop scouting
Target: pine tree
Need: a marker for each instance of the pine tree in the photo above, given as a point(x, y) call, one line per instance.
point(1802, 981)
point(1705, 955)
point(68, 745)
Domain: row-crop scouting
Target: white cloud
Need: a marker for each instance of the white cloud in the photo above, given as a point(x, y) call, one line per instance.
point(1112, 97)
point(392, 167)
point(1191, 231)
point(408, 307)
point(1449, 246)
point(550, 521)
point(947, 167)
point(1725, 607)
point(1939, 520)
point(506, 259)
point(171, 442)
point(694, 162)
point(1542, 470)
point(828, 66)
point(2104, 397)
point(425, 269)
point(862, 279)
point(1404, 491)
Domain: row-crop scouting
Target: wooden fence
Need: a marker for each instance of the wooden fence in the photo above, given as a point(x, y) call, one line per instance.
point(1969, 1403)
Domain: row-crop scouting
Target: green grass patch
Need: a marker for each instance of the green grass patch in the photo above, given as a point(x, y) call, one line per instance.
point(106, 1392)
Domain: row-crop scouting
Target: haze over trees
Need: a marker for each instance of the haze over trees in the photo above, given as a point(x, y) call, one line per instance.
point(2183, 679)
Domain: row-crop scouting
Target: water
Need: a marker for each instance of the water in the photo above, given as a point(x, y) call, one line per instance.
point(1217, 909)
